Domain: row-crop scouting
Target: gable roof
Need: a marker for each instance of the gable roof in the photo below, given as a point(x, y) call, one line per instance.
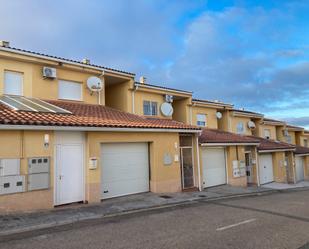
point(86, 115)
point(216, 103)
point(214, 136)
point(294, 128)
point(272, 145)
point(273, 122)
point(162, 88)
point(51, 57)
point(301, 150)
point(247, 113)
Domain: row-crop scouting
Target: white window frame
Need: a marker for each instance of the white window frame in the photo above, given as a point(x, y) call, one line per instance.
point(153, 108)
point(201, 120)
point(238, 126)
point(267, 136)
point(5, 83)
point(68, 82)
point(305, 142)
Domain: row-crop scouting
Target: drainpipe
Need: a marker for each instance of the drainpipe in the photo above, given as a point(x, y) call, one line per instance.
point(198, 163)
point(191, 114)
point(135, 88)
point(99, 93)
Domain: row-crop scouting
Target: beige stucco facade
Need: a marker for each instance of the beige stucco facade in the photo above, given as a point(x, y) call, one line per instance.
point(34, 85)
point(27, 144)
point(210, 113)
point(306, 168)
point(270, 128)
point(23, 145)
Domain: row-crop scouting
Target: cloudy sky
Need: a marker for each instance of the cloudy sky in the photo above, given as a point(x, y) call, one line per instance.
point(250, 53)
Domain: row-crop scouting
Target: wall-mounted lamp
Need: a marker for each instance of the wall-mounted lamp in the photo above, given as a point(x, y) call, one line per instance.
point(46, 140)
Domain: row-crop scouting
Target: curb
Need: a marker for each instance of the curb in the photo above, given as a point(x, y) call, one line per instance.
point(5, 235)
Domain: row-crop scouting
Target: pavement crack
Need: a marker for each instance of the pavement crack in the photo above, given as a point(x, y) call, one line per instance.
point(303, 219)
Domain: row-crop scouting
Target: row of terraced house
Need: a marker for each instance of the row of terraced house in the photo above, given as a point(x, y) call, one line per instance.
point(72, 131)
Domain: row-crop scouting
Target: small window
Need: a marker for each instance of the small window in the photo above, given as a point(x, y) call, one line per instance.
point(306, 142)
point(13, 83)
point(201, 120)
point(240, 128)
point(150, 108)
point(69, 90)
point(267, 134)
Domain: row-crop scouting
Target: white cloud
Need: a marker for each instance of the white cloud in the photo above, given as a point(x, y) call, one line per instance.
point(254, 57)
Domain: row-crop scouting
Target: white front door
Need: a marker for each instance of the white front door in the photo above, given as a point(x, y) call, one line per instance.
point(214, 167)
point(299, 168)
point(69, 170)
point(266, 168)
point(124, 169)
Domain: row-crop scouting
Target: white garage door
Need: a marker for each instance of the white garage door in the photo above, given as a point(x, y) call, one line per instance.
point(124, 169)
point(266, 168)
point(214, 170)
point(299, 168)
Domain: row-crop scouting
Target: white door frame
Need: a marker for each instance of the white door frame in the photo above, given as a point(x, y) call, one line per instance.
point(56, 144)
point(251, 167)
point(226, 165)
point(193, 170)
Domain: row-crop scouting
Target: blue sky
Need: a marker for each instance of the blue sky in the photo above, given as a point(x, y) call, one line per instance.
point(250, 53)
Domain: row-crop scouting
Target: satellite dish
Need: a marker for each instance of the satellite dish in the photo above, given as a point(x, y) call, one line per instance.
point(219, 115)
point(167, 109)
point(94, 84)
point(251, 125)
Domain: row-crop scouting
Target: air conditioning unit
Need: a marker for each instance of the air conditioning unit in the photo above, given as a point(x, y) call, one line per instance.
point(251, 125)
point(169, 98)
point(49, 72)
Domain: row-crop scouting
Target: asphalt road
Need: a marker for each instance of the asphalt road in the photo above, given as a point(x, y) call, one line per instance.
point(278, 220)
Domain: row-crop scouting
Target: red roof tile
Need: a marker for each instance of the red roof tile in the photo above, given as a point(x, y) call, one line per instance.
point(269, 144)
point(86, 115)
point(218, 136)
point(302, 150)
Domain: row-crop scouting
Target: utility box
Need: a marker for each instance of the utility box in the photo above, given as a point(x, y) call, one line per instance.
point(236, 170)
point(38, 173)
point(242, 168)
point(12, 184)
point(38, 181)
point(9, 167)
point(38, 165)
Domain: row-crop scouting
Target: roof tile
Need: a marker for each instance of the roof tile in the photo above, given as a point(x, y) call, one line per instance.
point(218, 136)
point(86, 115)
point(301, 150)
point(269, 144)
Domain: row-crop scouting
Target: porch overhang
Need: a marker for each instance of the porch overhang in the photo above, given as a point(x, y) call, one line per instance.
point(275, 150)
point(85, 128)
point(227, 144)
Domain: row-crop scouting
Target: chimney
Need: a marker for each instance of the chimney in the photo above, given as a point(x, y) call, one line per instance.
point(4, 44)
point(86, 61)
point(142, 80)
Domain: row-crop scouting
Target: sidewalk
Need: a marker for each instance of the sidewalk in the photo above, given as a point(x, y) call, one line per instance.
point(18, 223)
point(282, 186)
